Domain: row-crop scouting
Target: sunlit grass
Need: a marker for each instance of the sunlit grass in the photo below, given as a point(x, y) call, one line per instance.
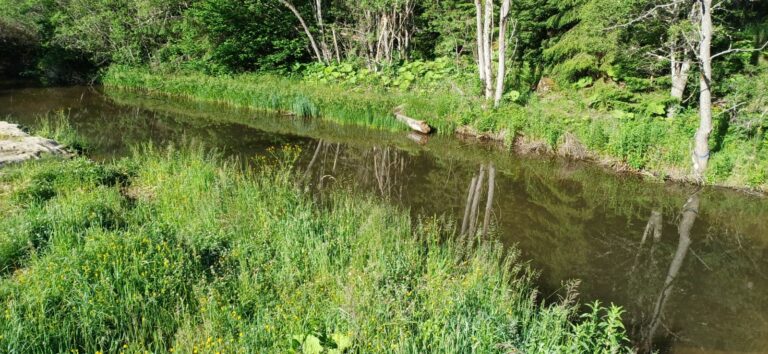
point(292, 96)
point(177, 249)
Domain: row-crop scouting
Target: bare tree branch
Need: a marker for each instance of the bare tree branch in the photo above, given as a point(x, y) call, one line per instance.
point(648, 14)
point(739, 50)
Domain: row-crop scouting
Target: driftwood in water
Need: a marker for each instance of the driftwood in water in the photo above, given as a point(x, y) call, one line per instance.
point(417, 125)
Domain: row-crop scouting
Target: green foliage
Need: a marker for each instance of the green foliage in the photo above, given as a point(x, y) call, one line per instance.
point(192, 253)
point(447, 27)
point(115, 31)
point(300, 97)
point(749, 96)
point(421, 75)
point(218, 36)
point(585, 47)
point(634, 140)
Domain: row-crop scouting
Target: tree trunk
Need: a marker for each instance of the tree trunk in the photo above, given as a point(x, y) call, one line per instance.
point(701, 147)
point(480, 41)
point(312, 41)
point(503, 19)
point(679, 76)
point(321, 26)
point(336, 45)
point(488, 22)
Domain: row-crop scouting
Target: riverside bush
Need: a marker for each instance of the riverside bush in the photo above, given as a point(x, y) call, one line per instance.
point(192, 253)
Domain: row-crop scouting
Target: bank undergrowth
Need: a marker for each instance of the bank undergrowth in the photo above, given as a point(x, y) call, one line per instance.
point(292, 96)
point(181, 250)
point(625, 126)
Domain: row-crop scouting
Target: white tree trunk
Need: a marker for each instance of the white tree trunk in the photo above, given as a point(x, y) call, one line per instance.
point(480, 41)
point(321, 26)
point(488, 22)
point(503, 20)
point(680, 69)
point(701, 146)
point(336, 45)
point(312, 41)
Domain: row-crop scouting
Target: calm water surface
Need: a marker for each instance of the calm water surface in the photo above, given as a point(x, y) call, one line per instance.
point(689, 266)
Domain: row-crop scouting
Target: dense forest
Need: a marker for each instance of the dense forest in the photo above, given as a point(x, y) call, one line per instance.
point(605, 72)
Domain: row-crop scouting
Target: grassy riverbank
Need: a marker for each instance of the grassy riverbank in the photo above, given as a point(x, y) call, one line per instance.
point(181, 250)
point(605, 122)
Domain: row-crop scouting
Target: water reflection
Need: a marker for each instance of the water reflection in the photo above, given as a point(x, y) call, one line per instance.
point(381, 168)
point(471, 214)
point(689, 279)
point(688, 216)
point(629, 247)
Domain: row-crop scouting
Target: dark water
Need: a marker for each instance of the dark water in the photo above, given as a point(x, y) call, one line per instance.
point(689, 266)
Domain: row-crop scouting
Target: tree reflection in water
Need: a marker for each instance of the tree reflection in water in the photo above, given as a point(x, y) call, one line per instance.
point(381, 168)
point(471, 218)
point(687, 218)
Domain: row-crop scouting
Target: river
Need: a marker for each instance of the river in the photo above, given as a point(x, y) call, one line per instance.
point(688, 265)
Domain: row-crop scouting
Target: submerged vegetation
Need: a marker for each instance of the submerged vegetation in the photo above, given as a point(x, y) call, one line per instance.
point(126, 256)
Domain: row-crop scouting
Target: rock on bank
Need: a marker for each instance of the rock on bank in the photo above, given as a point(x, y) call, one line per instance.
point(17, 146)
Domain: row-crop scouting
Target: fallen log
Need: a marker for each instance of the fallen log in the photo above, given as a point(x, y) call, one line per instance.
point(417, 125)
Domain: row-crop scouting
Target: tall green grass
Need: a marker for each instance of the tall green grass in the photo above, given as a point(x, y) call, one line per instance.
point(55, 125)
point(294, 96)
point(179, 250)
